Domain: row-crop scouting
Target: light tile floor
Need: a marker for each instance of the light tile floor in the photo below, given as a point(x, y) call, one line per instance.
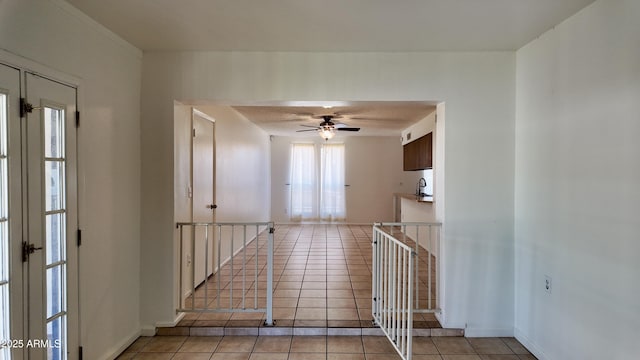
point(321, 347)
point(322, 278)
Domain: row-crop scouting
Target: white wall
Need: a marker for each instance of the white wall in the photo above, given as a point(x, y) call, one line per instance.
point(479, 90)
point(373, 173)
point(577, 193)
point(243, 177)
point(55, 35)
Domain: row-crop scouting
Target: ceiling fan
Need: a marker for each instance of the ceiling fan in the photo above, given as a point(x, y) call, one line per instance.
point(327, 127)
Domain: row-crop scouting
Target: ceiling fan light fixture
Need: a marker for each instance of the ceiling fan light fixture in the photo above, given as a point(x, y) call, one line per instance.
point(326, 132)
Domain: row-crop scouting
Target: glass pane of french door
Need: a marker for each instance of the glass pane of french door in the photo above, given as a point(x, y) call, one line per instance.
point(55, 226)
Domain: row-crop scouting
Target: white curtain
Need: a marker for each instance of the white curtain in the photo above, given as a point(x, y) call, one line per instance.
point(332, 195)
point(304, 191)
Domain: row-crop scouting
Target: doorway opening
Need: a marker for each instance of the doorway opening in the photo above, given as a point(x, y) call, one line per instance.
point(317, 265)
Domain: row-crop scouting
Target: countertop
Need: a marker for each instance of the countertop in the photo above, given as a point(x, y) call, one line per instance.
point(420, 199)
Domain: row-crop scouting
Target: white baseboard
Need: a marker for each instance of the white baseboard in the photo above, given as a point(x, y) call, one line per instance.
point(530, 345)
point(173, 323)
point(122, 346)
point(446, 325)
point(148, 330)
point(479, 332)
point(440, 316)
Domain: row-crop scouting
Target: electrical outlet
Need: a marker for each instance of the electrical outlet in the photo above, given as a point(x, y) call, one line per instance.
point(547, 284)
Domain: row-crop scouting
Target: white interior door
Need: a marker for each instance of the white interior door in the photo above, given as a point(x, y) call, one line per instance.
point(203, 168)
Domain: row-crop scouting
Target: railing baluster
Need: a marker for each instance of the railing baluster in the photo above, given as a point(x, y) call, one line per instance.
point(417, 267)
point(244, 263)
point(206, 266)
point(255, 300)
point(193, 268)
point(388, 278)
point(403, 289)
point(410, 306)
point(213, 256)
point(182, 299)
point(429, 251)
point(231, 273)
point(219, 266)
point(398, 306)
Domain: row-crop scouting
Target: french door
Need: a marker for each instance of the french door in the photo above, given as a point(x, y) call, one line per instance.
point(38, 217)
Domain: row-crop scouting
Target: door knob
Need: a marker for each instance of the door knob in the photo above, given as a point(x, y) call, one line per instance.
point(212, 206)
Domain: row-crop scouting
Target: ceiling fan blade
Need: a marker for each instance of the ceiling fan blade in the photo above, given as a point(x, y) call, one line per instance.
point(348, 129)
point(374, 119)
point(311, 126)
point(307, 130)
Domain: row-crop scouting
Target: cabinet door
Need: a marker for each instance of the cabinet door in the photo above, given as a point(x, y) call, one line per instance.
point(421, 150)
point(426, 157)
point(417, 155)
point(409, 156)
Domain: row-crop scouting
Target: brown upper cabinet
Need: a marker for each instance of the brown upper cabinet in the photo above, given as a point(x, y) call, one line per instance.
point(418, 154)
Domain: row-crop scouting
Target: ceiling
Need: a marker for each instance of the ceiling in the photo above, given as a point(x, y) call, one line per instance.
point(373, 118)
point(332, 26)
point(329, 25)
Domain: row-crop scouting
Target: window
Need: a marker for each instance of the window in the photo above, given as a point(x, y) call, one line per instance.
point(317, 186)
point(332, 196)
point(303, 182)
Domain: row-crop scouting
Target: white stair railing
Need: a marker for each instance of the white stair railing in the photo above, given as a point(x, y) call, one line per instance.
point(424, 238)
point(398, 276)
point(226, 267)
